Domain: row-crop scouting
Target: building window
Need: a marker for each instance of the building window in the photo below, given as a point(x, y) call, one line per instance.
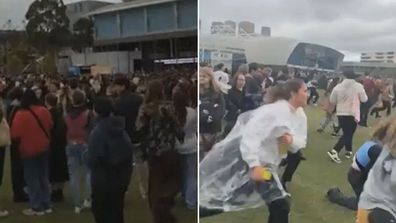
point(365, 58)
point(379, 53)
point(390, 57)
point(391, 53)
point(364, 54)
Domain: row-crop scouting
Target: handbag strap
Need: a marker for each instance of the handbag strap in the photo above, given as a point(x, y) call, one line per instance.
point(38, 122)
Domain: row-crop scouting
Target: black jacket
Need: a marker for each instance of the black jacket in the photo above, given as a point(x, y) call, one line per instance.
point(235, 104)
point(211, 112)
point(109, 145)
point(127, 105)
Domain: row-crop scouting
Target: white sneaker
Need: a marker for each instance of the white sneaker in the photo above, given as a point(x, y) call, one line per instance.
point(348, 155)
point(31, 212)
point(334, 156)
point(87, 203)
point(4, 213)
point(77, 210)
point(48, 211)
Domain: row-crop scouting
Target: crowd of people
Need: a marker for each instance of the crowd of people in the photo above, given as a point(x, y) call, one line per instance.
point(252, 125)
point(100, 128)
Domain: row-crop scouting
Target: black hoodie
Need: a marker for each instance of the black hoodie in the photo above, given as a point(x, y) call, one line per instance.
point(109, 145)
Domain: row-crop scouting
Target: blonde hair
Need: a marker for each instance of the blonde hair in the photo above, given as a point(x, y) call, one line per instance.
point(213, 82)
point(385, 132)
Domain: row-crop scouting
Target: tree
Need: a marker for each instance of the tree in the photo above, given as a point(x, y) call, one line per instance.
point(47, 25)
point(82, 34)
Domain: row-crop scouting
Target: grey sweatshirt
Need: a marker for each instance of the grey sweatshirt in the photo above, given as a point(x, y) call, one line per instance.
point(380, 187)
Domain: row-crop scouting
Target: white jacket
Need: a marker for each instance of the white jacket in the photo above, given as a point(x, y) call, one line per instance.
point(347, 97)
point(259, 143)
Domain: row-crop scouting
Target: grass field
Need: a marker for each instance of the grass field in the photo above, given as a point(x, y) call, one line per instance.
point(136, 209)
point(310, 182)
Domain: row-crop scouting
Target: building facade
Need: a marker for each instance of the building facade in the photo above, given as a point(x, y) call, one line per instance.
point(77, 10)
point(150, 30)
point(379, 57)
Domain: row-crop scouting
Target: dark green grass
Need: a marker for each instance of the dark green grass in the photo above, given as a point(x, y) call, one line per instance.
point(311, 182)
point(136, 209)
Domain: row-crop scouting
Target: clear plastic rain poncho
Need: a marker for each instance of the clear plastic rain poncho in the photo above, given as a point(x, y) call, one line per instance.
point(225, 182)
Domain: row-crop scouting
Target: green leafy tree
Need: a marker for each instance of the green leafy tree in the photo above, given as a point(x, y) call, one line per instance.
point(47, 25)
point(82, 34)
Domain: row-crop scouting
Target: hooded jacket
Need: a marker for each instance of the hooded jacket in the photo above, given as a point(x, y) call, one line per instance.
point(109, 145)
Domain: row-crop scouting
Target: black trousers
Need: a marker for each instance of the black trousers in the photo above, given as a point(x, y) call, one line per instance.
point(348, 126)
point(292, 162)
point(313, 95)
point(386, 105)
point(164, 184)
point(364, 111)
point(108, 193)
point(17, 176)
point(378, 215)
point(228, 127)
point(2, 160)
point(356, 180)
point(279, 211)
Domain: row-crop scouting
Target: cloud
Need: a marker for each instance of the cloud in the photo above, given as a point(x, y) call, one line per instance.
point(352, 26)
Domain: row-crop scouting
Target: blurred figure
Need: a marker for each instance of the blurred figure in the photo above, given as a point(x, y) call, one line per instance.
point(31, 126)
point(110, 161)
point(211, 109)
point(78, 121)
point(161, 131)
point(58, 172)
point(377, 202)
point(235, 102)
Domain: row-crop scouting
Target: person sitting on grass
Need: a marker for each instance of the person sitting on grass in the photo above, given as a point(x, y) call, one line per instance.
point(357, 175)
point(377, 203)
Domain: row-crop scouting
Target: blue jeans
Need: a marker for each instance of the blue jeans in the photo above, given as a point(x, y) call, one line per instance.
point(36, 177)
point(189, 162)
point(76, 163)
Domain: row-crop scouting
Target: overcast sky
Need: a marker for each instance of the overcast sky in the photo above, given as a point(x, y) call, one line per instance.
point(16, 9)
point(351, 26)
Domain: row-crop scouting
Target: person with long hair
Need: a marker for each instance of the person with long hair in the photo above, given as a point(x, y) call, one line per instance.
point(187, 117)
point(31, 126)
point(78, 119)
point(385, 100)
point(211, 109)
point(17, 179)
point(58, 172)
point(235, 102)
point(377, 203)
point(5, 140)
point(241, 171)
point(161, 130)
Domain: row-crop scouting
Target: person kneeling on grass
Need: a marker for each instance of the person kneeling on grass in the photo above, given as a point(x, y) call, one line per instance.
point(357, 175)
point(377, 202)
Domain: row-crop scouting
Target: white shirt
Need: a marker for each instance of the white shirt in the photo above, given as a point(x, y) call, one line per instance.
point(299, 131)
point(347, 97)
point(259, 143)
